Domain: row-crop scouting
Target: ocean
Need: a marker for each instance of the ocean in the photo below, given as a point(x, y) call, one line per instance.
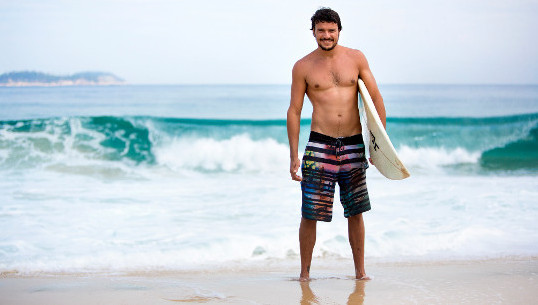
point(189, 177)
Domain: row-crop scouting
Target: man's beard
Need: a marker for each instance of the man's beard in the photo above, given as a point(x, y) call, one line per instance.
point(329, 48)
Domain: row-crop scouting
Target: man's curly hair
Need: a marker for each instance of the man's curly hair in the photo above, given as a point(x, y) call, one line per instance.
point(326, 14)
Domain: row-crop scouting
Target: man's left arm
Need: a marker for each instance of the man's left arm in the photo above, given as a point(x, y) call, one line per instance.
point(368, 78)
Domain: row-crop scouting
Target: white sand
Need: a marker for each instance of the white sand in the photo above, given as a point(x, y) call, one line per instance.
point(496, 281)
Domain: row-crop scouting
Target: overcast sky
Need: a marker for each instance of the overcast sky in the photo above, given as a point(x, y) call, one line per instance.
point(258, 41)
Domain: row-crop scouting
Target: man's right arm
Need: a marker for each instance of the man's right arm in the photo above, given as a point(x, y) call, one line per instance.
point(298, 90)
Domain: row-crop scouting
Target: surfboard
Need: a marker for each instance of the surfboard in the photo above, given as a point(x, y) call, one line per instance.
point(382, 151)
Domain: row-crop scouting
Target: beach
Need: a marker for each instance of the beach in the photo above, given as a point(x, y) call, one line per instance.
point(494, 281)
point(145, 152)
point(157, 194)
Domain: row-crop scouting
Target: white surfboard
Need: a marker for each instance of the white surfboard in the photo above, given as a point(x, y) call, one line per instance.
point(382, 151)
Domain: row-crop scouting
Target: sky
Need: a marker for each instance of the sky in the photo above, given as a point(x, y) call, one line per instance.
point(258, 41)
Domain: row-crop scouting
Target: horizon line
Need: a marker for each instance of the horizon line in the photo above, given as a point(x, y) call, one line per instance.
point(289, 84)
point(260, 84)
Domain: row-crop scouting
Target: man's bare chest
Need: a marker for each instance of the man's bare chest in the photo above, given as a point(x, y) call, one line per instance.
point(325, 77)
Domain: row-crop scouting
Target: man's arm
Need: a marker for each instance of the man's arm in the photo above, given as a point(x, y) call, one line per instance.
point(298, 90)
point(366, 75)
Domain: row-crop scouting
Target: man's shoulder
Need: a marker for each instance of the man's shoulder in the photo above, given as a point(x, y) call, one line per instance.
point(355, 53)
point(304, 62)
point(356, 56)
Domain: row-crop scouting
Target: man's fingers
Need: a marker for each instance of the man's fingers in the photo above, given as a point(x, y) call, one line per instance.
point(294, 168)
point(294, 175)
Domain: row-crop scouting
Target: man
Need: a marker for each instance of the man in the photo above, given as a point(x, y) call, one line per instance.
point(335, 151)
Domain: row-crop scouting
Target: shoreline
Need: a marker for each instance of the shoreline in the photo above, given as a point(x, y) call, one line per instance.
point(325, 263)
point(483, 281)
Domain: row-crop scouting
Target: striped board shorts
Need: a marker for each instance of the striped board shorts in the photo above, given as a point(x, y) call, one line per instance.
point(329, 160)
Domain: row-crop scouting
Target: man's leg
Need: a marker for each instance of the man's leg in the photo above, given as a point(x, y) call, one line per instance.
point(355, 226)
point(307, 240)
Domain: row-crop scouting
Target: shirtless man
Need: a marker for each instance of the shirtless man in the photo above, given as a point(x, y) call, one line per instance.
point(335, 150)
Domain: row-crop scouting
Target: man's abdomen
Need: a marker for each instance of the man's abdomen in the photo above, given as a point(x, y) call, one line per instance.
point(336, 124)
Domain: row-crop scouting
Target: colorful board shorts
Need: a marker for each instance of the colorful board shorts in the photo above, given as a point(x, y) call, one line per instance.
point(329, 160)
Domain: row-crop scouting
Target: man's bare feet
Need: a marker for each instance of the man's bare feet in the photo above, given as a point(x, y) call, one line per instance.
point(304, 278)
point(362, 277)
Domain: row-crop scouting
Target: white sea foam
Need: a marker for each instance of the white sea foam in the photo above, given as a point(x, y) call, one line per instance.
point(241, 153)
point(79, 223)
point(210, 202)
point(238, 153)
point(435, 157)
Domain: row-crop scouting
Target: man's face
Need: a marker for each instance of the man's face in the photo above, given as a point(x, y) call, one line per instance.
point(326, 34)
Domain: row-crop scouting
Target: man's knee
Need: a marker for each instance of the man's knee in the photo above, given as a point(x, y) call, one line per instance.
point(308, 223)
point(355, 218)
point(307, 220)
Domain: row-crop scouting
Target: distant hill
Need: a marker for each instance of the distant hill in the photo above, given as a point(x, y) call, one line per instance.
point(32, 78)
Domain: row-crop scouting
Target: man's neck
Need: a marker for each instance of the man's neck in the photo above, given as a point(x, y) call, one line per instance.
point(330, 53)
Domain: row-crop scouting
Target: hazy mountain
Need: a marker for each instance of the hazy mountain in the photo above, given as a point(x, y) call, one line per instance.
point(32, 78)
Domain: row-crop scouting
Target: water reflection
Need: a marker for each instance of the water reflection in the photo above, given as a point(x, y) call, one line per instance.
point(355, 298)
point(308, 297)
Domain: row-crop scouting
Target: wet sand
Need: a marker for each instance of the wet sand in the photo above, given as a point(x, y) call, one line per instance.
point(494, 281)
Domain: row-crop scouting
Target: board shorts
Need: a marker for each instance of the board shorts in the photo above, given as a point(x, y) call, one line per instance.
point(328, 161)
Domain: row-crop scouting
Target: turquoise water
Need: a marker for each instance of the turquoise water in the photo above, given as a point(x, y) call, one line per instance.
point(179, 177)
point(498, 143)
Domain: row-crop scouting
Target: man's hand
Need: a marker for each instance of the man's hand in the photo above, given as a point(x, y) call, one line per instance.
point(294, 167)
point(372, 162)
